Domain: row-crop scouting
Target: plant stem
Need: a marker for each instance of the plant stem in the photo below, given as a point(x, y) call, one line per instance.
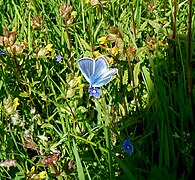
point(189, 72)
point(174, 29)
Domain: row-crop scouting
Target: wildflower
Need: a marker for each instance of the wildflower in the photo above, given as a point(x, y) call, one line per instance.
point(71, 17)
point(33, 110)
point(16, 49)
point(128, 147)
point(15, 118)
point(111, 60)
point(94, 91)
point(58, 58)
point(8, 163)
point(93, 2)
point(14, 30)
point(43, 51)
point(119, 43)
point(43, 138)
point(151, 7)
point(8, 38)
point(37, 23)
point(97, 54)
point(151, 43)
point(2, 51)
point(32, 175)
point(111, 37)
point(73, 14)
point(115, 50)
point(102, 40)
point(48, 47)
point(30, 144)
point(65, 11)
point(51, 160)
point(131, 51)
point(15, 103)
point(42, 174)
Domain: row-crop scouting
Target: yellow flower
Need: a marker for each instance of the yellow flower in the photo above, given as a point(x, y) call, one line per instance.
point(14, 30)
point(102, 40)
point(96, 53)
point(48, 47)
point(25, 43)
point(80, 86)
point(87, 1)
point(115, 50)
point(74, 14)
point(42, 175)
point(32, 170)
point(111, 61)
point(15, 103)
point(161, 43)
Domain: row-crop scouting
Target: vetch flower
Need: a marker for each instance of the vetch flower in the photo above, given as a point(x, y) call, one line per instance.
point(128, 147)
point(94, 91)
point(2, 51)
point(58, 58)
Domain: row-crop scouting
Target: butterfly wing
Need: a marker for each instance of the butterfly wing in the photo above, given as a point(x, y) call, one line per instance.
point(87, 67)
point(104, 78)
point(102, 74)
point(101, 66)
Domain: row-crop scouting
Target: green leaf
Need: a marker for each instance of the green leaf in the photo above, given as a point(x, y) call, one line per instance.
point(23, 94)
point(78, 162)
point(136, 73)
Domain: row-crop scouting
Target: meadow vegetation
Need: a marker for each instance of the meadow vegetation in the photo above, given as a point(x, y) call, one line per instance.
point(142, 126)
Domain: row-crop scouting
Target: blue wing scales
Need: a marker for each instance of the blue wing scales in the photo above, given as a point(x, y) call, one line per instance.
point(87, 67)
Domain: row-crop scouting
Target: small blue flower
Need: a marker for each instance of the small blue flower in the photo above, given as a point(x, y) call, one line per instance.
point(58, 58)
point(94, 91)
point(128, 147)
point(2, 51)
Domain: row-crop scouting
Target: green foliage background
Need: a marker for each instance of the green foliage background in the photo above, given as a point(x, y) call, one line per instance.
point(148, 101)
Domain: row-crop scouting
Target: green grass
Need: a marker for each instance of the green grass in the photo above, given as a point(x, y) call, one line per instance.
point(57, 131)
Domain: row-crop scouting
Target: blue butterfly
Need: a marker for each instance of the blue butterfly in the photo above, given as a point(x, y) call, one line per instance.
point(97, 72)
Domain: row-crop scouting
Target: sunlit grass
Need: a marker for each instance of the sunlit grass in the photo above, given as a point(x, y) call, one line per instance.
point(50, 127)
